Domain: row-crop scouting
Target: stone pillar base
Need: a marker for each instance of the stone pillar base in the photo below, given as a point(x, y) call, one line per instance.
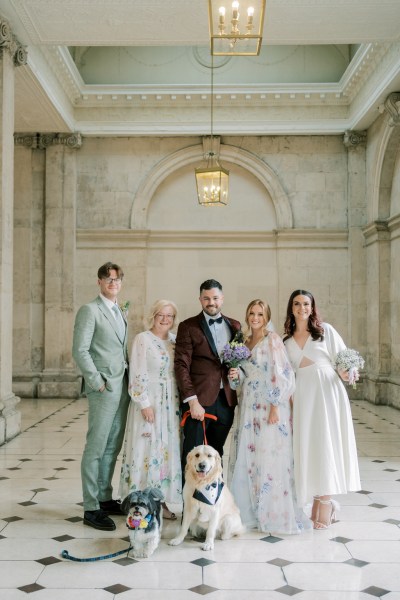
point(10, 418)
point(384, 390)
point(47, 385)
point(59, 389)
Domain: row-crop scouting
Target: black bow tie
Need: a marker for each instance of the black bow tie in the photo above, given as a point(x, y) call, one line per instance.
point(211, 485)
point(212, 321)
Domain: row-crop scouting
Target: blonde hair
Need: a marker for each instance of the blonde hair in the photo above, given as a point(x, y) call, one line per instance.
point(157, 306)
point(266, 315)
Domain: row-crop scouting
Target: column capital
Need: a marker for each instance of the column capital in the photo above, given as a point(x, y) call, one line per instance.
point(376, 231)
point(354, 138)
point(392, 108)
point(9, 42)
point(45, 140)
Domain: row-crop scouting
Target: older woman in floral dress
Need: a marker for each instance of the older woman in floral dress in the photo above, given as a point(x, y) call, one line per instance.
point(151, 456)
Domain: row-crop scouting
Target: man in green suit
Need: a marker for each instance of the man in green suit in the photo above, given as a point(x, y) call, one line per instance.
point(100, 351)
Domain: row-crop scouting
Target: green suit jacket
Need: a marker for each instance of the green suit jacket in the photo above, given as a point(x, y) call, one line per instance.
point(97, 349)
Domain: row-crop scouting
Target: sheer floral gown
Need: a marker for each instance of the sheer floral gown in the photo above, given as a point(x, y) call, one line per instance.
point(151, 452)
point(261, 457)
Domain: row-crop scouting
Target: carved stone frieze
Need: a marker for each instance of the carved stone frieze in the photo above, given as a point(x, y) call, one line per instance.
point(45, 140)
point(9, 42)
point(28, 140)
point(354, 138)
point(393, 109)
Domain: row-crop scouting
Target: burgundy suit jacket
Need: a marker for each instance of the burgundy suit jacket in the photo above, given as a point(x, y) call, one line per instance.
point(198, 368)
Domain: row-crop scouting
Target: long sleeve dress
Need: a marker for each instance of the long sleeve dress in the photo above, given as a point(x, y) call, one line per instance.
point(151, 452)
point(261, 454)
point(324, 447)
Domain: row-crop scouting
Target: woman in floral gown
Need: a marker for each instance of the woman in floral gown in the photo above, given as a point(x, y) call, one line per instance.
point(151, 455)
point(261, 451)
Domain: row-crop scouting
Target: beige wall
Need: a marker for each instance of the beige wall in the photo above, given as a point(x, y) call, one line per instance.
point(296, 218)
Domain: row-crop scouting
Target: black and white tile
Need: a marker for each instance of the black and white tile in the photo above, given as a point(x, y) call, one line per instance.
point(358, 558)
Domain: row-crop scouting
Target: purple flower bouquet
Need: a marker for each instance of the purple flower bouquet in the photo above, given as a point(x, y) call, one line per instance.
point(235, 352)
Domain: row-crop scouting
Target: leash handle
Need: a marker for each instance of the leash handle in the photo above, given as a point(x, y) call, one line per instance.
point(206, 416)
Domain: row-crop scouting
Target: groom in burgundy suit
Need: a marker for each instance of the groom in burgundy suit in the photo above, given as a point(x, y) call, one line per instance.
point(200, 374)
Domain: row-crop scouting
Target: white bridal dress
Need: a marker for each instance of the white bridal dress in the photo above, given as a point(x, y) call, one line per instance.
point(151, 453)
point(324, 447)
point(261, 457)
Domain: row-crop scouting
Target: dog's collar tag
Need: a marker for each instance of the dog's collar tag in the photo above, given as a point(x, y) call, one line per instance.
point(209, 494)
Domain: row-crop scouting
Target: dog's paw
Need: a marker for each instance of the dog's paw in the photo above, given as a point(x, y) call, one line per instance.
point(175, 541)
point(208, 546)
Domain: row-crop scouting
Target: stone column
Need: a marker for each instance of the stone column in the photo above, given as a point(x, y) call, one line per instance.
point(28, 331)
point(377, 242)
point(11, 55)
point(379, 235)
point(355, 141)
point(59, 374)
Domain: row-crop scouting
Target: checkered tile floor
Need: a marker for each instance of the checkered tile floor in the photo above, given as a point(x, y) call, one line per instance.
point(358, 558)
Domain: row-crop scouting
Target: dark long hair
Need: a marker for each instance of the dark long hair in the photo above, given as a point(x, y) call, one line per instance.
point(314, 320)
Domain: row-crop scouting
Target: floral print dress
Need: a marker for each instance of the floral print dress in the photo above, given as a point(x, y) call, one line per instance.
point(261, 456)
point(151, 453)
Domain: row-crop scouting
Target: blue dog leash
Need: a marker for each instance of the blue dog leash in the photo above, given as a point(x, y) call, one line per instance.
point(131, 525)
point(65, 554)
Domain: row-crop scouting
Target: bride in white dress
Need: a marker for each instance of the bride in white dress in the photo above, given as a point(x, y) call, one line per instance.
point(151, 453)
point(261, 450)
point(324, 447)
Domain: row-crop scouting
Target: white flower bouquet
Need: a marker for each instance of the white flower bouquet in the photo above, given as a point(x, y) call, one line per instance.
point(351, 361)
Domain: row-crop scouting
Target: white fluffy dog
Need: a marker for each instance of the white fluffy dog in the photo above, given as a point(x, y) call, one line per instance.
point(144, 520)
point(209, 509)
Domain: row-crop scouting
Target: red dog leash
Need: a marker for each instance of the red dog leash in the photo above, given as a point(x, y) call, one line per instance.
point(206, 416)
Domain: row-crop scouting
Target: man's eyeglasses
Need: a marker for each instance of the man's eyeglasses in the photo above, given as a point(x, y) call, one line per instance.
point(112, 280)
point(160, 316)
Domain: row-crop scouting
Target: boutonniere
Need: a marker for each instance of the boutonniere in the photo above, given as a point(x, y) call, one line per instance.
point(125, 307)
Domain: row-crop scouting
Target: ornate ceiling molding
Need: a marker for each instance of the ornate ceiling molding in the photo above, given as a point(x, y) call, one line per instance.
point(365, 62)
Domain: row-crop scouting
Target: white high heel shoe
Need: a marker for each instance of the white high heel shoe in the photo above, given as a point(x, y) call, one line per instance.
point(335, 507)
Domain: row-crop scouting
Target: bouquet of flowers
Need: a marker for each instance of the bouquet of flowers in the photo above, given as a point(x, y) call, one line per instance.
point(351, 361)
point(235, 352)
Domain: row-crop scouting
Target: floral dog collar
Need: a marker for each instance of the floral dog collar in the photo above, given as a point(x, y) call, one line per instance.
point(138, 523)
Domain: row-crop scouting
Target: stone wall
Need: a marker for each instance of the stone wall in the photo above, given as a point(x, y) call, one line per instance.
point(297, 212)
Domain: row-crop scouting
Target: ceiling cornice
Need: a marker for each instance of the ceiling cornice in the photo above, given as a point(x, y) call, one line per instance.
point(247, 109)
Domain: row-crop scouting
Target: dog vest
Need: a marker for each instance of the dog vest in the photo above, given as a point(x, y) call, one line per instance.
point(209, 494)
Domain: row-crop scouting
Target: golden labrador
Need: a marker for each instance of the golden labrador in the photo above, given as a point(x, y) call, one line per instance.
point(209, 508)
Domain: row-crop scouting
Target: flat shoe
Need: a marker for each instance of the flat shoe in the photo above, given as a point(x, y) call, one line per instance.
point(99, 520)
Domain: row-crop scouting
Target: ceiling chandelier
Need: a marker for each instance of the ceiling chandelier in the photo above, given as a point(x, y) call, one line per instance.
point(212, 180)
point(236, 28)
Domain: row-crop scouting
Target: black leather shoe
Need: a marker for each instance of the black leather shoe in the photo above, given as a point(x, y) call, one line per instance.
point(111, 507)
point(99, 520)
